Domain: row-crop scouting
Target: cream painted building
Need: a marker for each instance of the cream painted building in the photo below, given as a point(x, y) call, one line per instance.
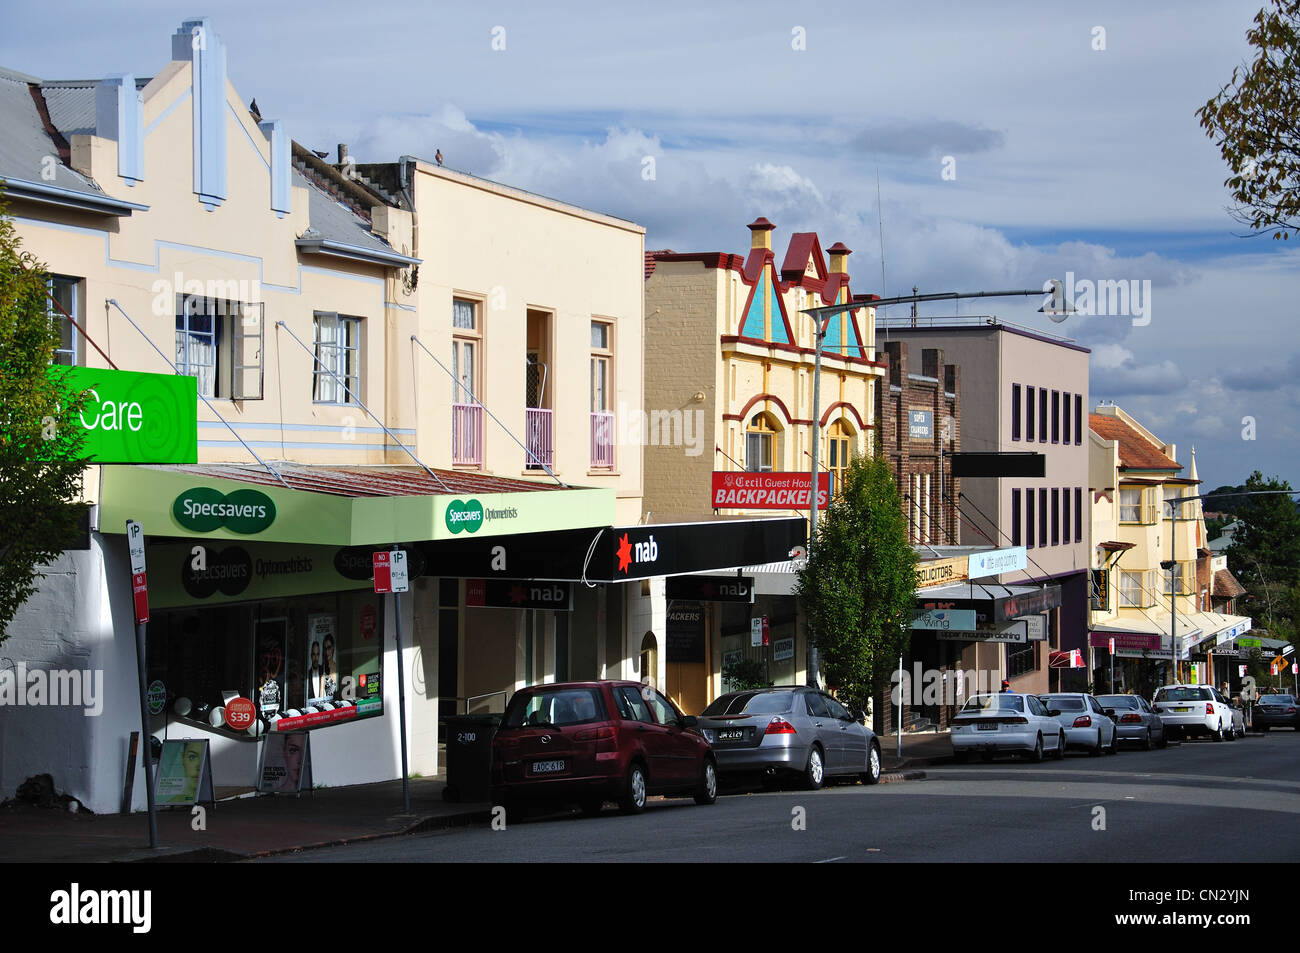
point(1136, 535)
point(729, 390)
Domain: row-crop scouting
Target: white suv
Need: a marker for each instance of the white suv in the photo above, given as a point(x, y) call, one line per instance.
point(1194, 710)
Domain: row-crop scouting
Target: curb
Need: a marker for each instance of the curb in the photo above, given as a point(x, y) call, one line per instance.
point(894, 777)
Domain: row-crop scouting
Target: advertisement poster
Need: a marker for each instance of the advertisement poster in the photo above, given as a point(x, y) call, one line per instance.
point(322, 660)
point(184, 773)
point(286, 763)
point(269, 657)
point(685, 631)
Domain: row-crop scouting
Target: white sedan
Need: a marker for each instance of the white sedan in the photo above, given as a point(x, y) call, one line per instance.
point(1007, 722)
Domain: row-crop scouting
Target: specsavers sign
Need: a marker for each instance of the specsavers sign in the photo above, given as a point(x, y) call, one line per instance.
point(130, 417)
point(177, 502)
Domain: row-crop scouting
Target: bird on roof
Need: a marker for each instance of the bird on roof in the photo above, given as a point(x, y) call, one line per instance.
point(252, 108)
point(437, 157)
point(319, 154)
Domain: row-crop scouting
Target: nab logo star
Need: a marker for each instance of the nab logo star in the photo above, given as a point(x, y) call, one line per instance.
point(517, 595)
point(624, 553)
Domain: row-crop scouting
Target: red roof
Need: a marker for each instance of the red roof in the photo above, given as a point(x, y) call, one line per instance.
point(803, 245)
point(1136, 452)
point(651, 259)
point(363, 481)
point(1226, 585)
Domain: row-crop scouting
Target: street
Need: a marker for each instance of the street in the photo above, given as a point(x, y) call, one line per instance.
point(1194, 802)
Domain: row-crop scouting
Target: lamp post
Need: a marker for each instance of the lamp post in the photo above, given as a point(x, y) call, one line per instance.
point(821, 323)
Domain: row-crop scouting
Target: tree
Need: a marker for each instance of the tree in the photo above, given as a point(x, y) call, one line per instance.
point(858, 587)
point(40, 446)
point(1255, 122)
point(1265, 553)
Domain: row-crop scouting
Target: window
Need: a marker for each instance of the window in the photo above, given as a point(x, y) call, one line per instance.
point(1015, 411)
point(1065, 419)
point(1172, 493)
point(1078, 419)
point(1029, 518)
point(1130, 505)
point(816, 705)
point(1078, 513)
point(65, 292)
point(1131, 593)
point(337, 376)
point(1183, 573)
point(1042, 516)
point(663, 709)
point(837, 454)
point(1015, 517)
point(1029, 413)
point(467, 337)
point(1065, 514)
point(601, 355)
point(1042, 415)
point(760, 444)
point(1020, 659)
point(1056, 517)
point(1056, 416)
point(219, 341)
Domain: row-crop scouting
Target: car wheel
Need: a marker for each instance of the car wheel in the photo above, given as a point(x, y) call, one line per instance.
point(1095, 751)
point(1059, 753)
point(1114, 742)
point(986, 756)
point(634, 790)
point(1036, 756)
point(873, 765)
point(707, 792)
point(591, 807)
point(960, 757)
point(815, 773)
point(1217, 733)
point(1146, 742)
point(1164, 738)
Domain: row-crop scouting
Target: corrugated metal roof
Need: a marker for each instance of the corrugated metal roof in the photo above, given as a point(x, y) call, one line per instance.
point(72, 107)
point(25, 145)
point(335, 222)
point(362, 481)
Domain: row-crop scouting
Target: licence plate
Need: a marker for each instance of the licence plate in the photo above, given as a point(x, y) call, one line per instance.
point(988, 726)
point(1182, 709)
point(547, 767)
point(731, 734)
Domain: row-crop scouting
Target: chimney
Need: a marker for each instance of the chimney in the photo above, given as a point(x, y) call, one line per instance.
point(839, 258)
point(931, 361)
point(343, 153)
point(760, 234)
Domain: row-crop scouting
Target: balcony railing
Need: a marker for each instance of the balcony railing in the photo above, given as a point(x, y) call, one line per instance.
point(467, 434)
point(538, 438)
point(602, 440)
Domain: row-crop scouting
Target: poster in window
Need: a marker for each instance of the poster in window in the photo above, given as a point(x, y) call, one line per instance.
point(184, 773)
point(286, 763)
point(685, 631)
point(322, 659)
point(269, 693)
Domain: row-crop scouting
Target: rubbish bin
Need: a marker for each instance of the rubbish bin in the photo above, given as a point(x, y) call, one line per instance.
point(469, 757)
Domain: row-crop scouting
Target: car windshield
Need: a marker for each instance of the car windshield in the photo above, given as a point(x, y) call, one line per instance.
point(995, 703)
point(751, 703)
point(1184, 694)
point(554, 709)
point(1118, 701)
point(1064, 702)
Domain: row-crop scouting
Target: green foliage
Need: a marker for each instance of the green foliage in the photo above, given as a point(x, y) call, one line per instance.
point(858, 588)
point(1265, 555)
point(743, 674)
point(40, 447)
point(1255, 122)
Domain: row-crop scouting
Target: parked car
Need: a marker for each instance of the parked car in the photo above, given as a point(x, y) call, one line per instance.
point(1010, 721)
point(589, 742)
point(1238, 716)
point(792, 730)
point(1086, 723)
point(1276, 711)
point(1136, 720)
point(1194, 710)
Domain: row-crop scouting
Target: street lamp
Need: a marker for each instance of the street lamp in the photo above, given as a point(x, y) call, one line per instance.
point(821, 324)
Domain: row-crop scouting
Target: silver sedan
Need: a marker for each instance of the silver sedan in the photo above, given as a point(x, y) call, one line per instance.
point(1135, 720)
point(1010, 721)
point(791, 730)
point(1086, 723)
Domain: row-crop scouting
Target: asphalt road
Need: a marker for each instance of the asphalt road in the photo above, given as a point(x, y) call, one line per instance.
point(1193, 802)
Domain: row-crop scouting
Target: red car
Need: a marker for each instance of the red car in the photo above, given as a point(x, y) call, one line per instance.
point(592, 742)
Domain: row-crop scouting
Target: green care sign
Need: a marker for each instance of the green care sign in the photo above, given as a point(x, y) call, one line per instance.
point(132, 417)
point(203, 509)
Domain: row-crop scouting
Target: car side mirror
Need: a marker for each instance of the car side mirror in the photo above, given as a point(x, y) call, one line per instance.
point(860, 717)
point(690, 721)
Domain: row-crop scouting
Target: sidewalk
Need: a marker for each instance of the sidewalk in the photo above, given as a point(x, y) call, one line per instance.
point(256, 826)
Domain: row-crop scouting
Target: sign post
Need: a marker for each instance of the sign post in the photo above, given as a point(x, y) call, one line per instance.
point(140, 603)
point(1112, 664)
point(391, 575)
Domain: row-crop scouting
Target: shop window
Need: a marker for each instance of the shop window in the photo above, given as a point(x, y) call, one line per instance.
point(314, 658)
point(1020, 659)
point(337, 376)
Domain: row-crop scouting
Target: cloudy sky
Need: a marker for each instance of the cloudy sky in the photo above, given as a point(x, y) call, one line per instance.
point(692, 119)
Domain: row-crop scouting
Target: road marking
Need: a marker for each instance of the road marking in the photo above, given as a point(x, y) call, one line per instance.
point(831, 860)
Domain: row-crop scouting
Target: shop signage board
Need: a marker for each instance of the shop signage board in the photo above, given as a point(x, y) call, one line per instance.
point(920, 424)
point(184, 772)
point(1250, 643)
point(745, 490)
point(961, 620)
point(711, 588)
point(239, 714)
point(666, 549)
point(1035, 627)
point(998, 632)
point(1007, 608)
point(398, 571)
point(940, 572)
point(133, 417)
point(285, 766)
point(157, 696)
point(139, 582)
point(518, 594)
point(996, 561)
point(783, 650)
